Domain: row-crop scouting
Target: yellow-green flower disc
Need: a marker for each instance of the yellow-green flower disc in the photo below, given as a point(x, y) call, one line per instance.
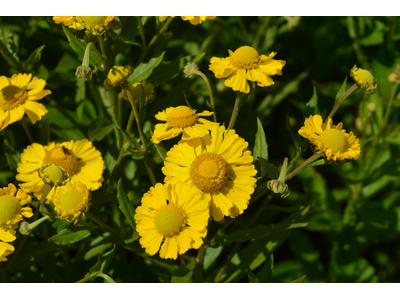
point(10, 208)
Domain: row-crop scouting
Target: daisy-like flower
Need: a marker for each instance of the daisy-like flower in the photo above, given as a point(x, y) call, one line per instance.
point(364, 79)
point(5, 250)
point(79, 159)
point(193, 20)
point(219, 165)
point(175, 216)
point(71, 200)
point(245, 64)
point(11, 211)
point(96, 25)
point(333, 141)
point(181, 119)
point(18, 95)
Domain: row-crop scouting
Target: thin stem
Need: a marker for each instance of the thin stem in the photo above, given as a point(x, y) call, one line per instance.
point(235, 110)
point(102, 224)
point(27, 131)
point(302, 166)
point(198, 275)
point(353, 88)
point(153, 40)
point(201, 74)
point(142, 32)
point(8, 56)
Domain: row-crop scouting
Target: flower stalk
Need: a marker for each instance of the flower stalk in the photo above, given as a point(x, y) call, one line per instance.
point(235, 110)
point(350, 91)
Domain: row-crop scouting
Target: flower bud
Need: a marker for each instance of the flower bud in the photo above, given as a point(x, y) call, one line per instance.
point(364, 79)
point(117, 75)
point(83, 72)
point(190, 70)
point(278, 187)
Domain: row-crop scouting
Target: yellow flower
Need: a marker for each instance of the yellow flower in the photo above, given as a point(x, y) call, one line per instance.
point(96, 25)
point(136, 90)
point(117, 75)
point(364, 79)
point(333, 141)
point(245, 64)
point(219, 165)
point(71, 200)
point(5, 250)
point(79, 159)
point(11, 211)
point(181, 119)
point(175, 216)
point(67, 21)
point(193, 20)
point(18, 95)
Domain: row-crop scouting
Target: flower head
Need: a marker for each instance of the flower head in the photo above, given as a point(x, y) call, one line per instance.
point(219, 165)
point(66, 20)
point(71, 200)
point(79, 159)
point(193, 20)
point(96, 25)
point(18, 95)
point(181, 119)
point(175, 216)
point(136, 91)
point(5, 250)
point(333, 141)
point(11, 211)
point(246, 64)
point(117, 75)
point(364, 79)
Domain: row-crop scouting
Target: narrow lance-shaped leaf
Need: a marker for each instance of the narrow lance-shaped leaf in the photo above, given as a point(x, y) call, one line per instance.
point(143, 71)
point(260, 144)
point(34, 57)
point(70, 235)
point(183, 273)
point(252, 278)
point(124, 204)
point(341, 91)
point(311, 106)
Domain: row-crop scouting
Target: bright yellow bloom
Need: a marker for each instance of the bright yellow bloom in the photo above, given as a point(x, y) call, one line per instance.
point(117, 75)
point(219, 165)
point(245, 64)
point(175, 216)
point(71, 200)
point(5, 250)
point(96, 25)
point(193, 20)
point(11, 211)
point(181, 119)
point(79, 159)
point(333, 141)
point(364, 79)
point(18, 95)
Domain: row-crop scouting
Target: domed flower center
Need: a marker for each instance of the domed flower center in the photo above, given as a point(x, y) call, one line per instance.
point(209, 172)
point(169, 220)
point(365, 76)
point(182, 116)
point(334, 139)
point(71, 200)
point(92, 22)
point(62, 157)
point(245, 56)
point(53, 174)
point(10, 208)
point(13, 97)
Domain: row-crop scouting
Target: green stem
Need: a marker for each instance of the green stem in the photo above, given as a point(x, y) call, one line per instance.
point(153, 40)
point(102, 224)
point(142, 32)
point(198, 275)
point(201, 74)
point(8, 56)
point(353, 88)
point(27, 131)
point(235, 110)
point(106, 277)
point(302, 166)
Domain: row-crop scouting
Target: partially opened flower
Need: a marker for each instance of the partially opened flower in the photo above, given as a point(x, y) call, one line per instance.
point(193, 20)
point(181, 119)
point(71, 200)
point(219, 165)
point(5, 250)
point(333, 141)
point(364, 79)
point(117, 76)
point(18, 95)
point(12, 211)
point(79, 159)
point(174, 217)
point(246, 64)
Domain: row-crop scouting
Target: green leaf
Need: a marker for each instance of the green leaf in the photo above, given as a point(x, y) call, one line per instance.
point(183, 273)
point(376, 37)
point(311, 106)
point(125, 206)
point(258, 232)
point(137, 154)
point(211, 255)
point(161, 150)
point(252, 278)
point(130, 32)
point(260, 144)
point(13, 157)
point(268, 169)
point(34, 57)
point(143, 71)
point(299, 280)
point(265, 273)
point(70, 235)
point(341, 91)
point(110, 162)
point(319, 162)
point(99, 128)
point(94, 251)
point(106, 259)
point(168, 70)
point(289, 128)
point(45, 134)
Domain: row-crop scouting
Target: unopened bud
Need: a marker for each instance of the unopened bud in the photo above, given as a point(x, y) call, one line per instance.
point(190, 70)
point(83, 72)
